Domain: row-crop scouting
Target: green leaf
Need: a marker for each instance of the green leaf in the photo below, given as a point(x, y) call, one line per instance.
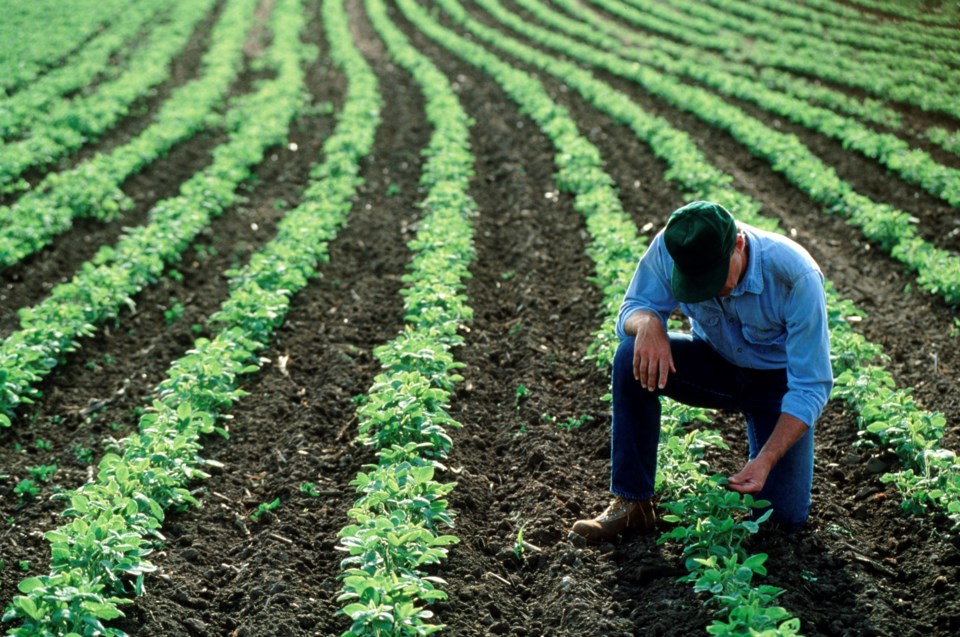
point(29, 607)
point(30, 584)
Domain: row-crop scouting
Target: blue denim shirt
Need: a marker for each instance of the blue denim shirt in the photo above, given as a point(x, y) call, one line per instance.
point(775, 318)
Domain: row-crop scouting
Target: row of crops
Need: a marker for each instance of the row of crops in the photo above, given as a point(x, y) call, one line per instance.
point(883, 89)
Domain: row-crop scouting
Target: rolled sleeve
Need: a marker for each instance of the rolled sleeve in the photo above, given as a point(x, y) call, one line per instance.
point(649, 288)
point(809, 374)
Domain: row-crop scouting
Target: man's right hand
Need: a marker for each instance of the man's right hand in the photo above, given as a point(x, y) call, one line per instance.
point(652, 358)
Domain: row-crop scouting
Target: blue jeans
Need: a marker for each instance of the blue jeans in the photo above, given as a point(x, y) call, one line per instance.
point(705, 379)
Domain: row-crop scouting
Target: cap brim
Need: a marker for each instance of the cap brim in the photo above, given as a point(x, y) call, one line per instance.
point(695, 289)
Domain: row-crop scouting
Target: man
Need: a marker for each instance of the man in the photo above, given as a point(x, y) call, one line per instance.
point(759, 345)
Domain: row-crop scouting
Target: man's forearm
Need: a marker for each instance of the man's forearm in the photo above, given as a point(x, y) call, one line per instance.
point(632, 325)
point(788, 430)
point(753, 476)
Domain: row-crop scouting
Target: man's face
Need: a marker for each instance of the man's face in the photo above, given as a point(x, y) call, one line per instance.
point(738, 264)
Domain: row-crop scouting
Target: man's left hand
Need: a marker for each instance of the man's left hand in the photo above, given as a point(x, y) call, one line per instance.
point(751, 478)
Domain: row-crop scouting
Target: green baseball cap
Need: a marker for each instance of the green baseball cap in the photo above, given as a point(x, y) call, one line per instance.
point(700, 237)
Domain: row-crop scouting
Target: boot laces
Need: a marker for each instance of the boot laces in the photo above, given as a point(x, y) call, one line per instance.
point(618, 507)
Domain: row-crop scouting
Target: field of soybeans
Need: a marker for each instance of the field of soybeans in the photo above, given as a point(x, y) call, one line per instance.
point(307, 313)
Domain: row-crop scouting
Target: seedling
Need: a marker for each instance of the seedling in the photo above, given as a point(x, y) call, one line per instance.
point(518, 548)
point(574, 423)
point(263, 507)
point(42, 472)
point(83, 454)
point(309, 489)
point(520, 394)
point(174, 313)
point(393, 190)
point(26, 490)
point(43, 445)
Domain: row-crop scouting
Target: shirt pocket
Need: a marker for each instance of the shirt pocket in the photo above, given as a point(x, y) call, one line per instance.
point(769, 335)
point(705, 314)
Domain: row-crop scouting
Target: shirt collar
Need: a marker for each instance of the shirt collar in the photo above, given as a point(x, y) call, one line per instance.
point(753, 279)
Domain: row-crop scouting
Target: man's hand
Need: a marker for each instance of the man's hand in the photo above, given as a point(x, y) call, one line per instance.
point(788, 430)
point(751, 478)
point(652, 358)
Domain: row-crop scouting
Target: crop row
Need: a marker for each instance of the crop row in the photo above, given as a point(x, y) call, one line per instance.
point(840, 18)
point(710, 21)
point(698, 62)
point(938, 271)
point(36, 35)
point(106, 283)
point(867, 109)
point(115, 519)
point(92, 188)
point(396, 521)
point(914, 166)
point(870, 110)
point(938, 36)
point(800, 19)
point(18, 112)
point(912, 11)
point(69, 125)
point(883, 83)
point(942, 137)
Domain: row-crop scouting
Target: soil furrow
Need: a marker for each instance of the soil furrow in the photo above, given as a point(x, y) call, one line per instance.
point(225, 574)
point(520, 461)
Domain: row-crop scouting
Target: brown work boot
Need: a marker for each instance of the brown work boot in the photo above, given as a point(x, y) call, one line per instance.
point(621, 516)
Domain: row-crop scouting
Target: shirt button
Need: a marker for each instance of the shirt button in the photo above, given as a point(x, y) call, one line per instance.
point(740, 350)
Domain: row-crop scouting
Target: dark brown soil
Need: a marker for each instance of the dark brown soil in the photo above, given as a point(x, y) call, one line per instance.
point(862, 567)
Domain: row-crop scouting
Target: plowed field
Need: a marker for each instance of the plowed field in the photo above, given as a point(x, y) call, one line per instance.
point(862, 567)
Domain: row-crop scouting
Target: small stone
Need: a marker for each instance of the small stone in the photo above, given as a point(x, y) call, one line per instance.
point(866, 492)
